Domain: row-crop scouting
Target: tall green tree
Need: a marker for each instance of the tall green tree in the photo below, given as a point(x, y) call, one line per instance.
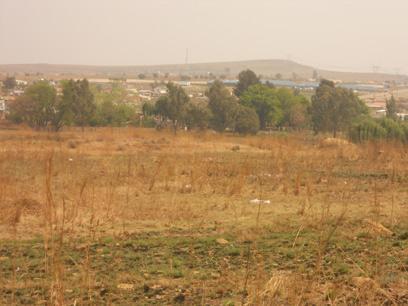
point(246, 79)
point(223, 106)
point(264, 101)
point(148, 109)
point(391, 108)
point(78, 102)
point(246, 121)
point(333, 109)
point(293, 107)
point(276, 106)
point(173, 105)
point(197, 116)
point(37, 107)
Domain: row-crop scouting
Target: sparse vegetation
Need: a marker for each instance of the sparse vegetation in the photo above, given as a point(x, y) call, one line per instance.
point(284, 219)
point(210, 181)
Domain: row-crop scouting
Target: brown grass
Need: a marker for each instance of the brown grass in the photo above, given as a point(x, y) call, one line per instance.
point(117, 182)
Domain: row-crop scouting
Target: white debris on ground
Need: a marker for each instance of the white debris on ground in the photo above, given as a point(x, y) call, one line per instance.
point(258, 201)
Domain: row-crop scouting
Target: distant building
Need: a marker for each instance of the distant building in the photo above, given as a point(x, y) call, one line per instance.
point(402, 116)
point(21, 83)
point(184, 83)
point(363, 87)
point(146, 94)
point(160, 90)
point(380, 113)
point(2, 105)
point(17, 92)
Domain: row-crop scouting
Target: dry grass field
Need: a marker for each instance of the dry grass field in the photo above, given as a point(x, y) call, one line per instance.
point(139, 217)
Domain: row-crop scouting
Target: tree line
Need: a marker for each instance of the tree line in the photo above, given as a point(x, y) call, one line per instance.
point(249, 107)
point(41, 108)
point(254, 106)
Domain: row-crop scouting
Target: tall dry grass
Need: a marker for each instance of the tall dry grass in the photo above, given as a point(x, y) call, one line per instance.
point(112, 182)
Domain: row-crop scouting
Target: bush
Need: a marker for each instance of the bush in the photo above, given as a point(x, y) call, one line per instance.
point(197, 116)
point(147, 122)
point(111, 114)
point(394, 129)
point(366, 129)
point(247, 121)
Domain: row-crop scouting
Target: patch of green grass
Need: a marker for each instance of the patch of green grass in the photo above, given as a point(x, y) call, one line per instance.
point(191, 260)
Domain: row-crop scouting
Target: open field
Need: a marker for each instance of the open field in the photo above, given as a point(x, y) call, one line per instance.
point(139, 217)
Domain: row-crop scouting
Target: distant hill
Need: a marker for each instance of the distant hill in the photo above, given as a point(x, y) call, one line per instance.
point(267, 68)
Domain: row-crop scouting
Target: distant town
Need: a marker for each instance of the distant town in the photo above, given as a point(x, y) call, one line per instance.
point(149, 87)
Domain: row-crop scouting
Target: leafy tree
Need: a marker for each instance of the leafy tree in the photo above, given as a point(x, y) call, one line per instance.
point(123, 114)
point(37, 107)
point(278, 76)
point(391, 108)
point(148, 109)
point(104, 114)
point(246, 79)
point(173, 105)
point(116, 95)
point(333, 109)
point(298, 116)
point(141, 76)
point(78, 101)
point(247, 121)
point(197, 116)
point(10, 83)
point(276, 106)
point(111, 114)
point(111, 108)
point(293, 108)
point(222, 105)
point(263, 100)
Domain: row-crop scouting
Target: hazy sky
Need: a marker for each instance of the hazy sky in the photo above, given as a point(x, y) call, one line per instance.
point(335, 34)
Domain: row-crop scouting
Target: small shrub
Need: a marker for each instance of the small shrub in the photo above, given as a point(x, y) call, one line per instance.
point(147, 122)
point(72, 144)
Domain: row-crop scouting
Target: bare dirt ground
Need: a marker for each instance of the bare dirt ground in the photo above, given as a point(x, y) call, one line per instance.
point(139, 217)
